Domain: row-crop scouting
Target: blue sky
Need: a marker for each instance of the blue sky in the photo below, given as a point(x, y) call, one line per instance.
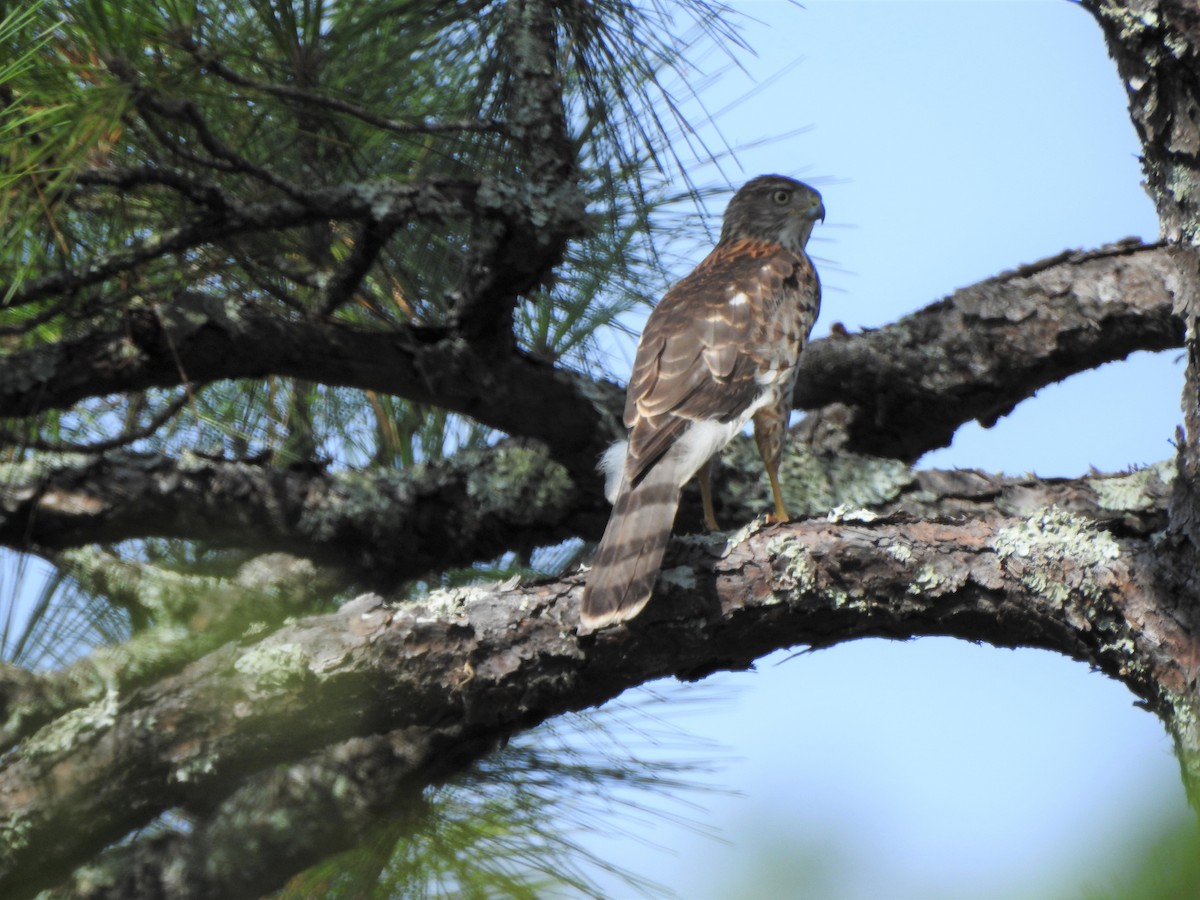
point(951, 141)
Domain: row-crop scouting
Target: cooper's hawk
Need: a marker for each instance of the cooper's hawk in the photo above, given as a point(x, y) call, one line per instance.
point(720, 349)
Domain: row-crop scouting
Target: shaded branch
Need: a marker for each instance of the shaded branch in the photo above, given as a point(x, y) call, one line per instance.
point(212, 64)
point(436, 200)
point(368, 244)
point(475, 506)
point(190, 615)
point(126, 178)
point(513, 254)
point(222, 157)
point(514, 394)
point(124, 439)
point(476, 665)
point(288, 810)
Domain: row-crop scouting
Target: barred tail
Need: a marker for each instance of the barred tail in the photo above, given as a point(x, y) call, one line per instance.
point(631, 551)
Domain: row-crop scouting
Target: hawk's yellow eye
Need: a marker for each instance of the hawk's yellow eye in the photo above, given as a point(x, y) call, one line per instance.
point(781, 196)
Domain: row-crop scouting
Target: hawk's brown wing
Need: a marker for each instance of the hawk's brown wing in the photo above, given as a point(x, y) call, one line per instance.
point(704, 344)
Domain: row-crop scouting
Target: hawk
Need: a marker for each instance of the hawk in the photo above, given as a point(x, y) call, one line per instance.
point(719, 350)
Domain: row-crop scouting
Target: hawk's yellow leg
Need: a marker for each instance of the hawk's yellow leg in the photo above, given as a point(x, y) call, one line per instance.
point(770, 447)
point(781, 513)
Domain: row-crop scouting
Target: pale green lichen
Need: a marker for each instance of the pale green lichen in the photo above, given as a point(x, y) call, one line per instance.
point(899, 551)
point(793, 567)
point(193, 312)
point(926, 580)
point(14, 836)
point(722, 543)
point(751, 528)
point(446, 603)
point(166, 595)
point(73, 728)
point(1179, 183)
point(21, 479)
point(1136, 22)
point(450, 600)
point(813, 483)
point(91, 879)
point(254, 630)
point(1132, 492)
point(1059, 553)
point(273, 665)
point(522, 482)
point(839, 598)
point(1179, 46)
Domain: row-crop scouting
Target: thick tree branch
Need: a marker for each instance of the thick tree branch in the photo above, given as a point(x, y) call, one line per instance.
point(514, 393)
point(513, 254)
point(475, 506)
point(189, 616)
point(987, 347)
point(908, 386)
point(268, 588)
point(479, 664)
point(1156, 46)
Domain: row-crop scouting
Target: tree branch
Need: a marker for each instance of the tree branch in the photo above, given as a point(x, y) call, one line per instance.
point(514, 394)
point(985, 348)
point(1156, 46)
point(189, 616)
point(1163, 97)
point(211, 63)
point(288, 811)
point(512, 254)
point(475, 506)
point(908, 386)
point(478, 503)
point(436, 200)
point(475, 665)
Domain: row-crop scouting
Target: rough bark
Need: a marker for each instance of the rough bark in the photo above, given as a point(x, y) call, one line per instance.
point(195, 340)
point(452, 513)
point(987, 347)
point(472, 666)
point(1156, 46)
point(904, 388)
point(213, 610)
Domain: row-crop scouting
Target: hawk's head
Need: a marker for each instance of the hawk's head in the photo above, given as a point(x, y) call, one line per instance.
point(773, 208)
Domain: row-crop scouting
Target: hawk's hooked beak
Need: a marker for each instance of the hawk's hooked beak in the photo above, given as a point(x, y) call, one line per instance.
point(813, 213)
